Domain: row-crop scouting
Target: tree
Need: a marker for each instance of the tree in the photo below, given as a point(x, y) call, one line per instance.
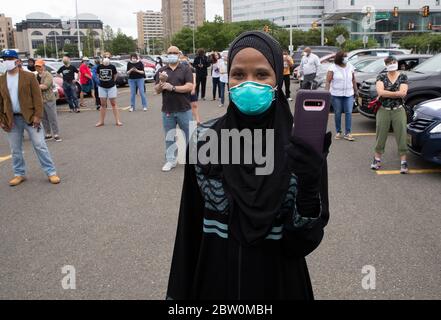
point(332, 33)
point(108, 37)
point(122, 44)
point(71, 49)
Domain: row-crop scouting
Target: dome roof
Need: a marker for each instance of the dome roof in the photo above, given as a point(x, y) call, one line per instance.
point(38, 15)
point(87, 16)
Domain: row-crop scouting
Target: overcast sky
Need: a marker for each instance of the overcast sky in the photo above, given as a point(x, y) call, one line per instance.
point(117, 13)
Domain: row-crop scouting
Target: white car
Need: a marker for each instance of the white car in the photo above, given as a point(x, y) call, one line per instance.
point(149, 74)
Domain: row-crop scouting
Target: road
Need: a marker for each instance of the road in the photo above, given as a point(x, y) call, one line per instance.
point(114, 215)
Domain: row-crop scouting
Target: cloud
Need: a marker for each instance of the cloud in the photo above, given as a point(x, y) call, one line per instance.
point(116, 13)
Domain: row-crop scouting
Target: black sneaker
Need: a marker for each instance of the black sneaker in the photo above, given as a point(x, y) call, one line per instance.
point(57, 138)
point(404, 168)
point(376, 164)
point(47, 137)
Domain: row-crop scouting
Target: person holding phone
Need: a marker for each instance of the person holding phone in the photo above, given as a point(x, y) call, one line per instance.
point(340, 81)
point(241, 235)
point(392, 88)
point(21, 108)
point(135, 70)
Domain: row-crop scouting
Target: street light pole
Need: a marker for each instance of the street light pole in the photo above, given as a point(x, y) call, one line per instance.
point(194, 46)
point(80, 53)
point(323, 29)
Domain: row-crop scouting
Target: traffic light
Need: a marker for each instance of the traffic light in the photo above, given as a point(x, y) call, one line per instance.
point(411, 25)
point(266, 29)
point(395, 12)
point(314, 25)
point(430, 26)
point(426, 11)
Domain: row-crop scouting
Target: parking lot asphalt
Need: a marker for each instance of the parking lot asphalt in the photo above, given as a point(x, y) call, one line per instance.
point(114, 215)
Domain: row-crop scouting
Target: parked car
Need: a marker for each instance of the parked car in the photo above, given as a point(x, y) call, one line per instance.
point(364, 62)
point(424, 84)
point(297, 56)
point(378, 52)
point(122, 78)
point(406, 62)
point(424, 132)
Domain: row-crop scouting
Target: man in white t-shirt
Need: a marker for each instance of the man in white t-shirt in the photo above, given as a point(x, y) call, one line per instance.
point(308, 68)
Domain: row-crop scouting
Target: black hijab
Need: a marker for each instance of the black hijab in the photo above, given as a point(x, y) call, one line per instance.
point(255, 201)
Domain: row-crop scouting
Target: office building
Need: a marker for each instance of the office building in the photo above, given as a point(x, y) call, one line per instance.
point(181, 13)
point(150, 28)
point(40, 29)
point(227, 10)
point(386, 21)
point(7, 40)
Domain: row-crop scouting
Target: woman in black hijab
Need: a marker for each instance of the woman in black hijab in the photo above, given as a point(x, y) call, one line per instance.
point(241, 235)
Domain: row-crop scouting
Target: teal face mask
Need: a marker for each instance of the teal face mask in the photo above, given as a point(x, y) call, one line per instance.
point(252, 98)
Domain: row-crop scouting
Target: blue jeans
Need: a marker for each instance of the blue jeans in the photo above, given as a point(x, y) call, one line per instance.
point(222, 91)
point(169, 122)
point(340, 105)
point(137, 84)
point(70, 92)
point(15, 138)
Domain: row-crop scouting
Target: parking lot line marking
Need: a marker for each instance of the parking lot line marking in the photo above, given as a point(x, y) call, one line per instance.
point(411, 171)
point(5, 158)
point(364, 134)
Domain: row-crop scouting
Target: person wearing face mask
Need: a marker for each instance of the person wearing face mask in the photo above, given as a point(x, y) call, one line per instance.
point(107, 74)
point(340, 80)
point(50, 119)
point(21, 108)
point(392, 90)
point(175, 82)
point(222, 63)
point(158, 64)
point(135, 70)
point(308, 68)
point(201, 64)
point(243, 236)
point(68, 72)
point(96, 82)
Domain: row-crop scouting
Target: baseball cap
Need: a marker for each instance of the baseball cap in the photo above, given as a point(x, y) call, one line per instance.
point(39, 63)
point(9, 54)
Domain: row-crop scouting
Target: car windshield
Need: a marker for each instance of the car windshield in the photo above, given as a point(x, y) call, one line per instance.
point(430, 66)
point(375, 67)
point(362, 63)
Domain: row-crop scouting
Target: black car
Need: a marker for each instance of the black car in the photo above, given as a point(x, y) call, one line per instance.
point(424, 132)
point(424, 84)
point(406, 62)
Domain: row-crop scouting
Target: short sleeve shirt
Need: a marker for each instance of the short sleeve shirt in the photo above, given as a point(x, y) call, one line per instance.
point(174, 101)
point(389, 86)
point(84, 69)
point(68, 73)
point(106, 75)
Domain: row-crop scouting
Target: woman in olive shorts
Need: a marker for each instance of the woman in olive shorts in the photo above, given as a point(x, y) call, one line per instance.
point(392, 89)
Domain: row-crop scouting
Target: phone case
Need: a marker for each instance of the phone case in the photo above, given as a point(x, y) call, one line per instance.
point(311, 117)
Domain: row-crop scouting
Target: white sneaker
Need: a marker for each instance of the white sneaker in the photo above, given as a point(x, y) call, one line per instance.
point(168, 166)
point(220, 105)
point(289, 99)
point(145, 109)
point(131, 110)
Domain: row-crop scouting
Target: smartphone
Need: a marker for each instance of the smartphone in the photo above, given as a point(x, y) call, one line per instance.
point(311, 117)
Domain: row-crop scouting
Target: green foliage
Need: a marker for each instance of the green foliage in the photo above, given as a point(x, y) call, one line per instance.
point(422, 43)
point(122, 44)
point(71, 49)
point(217, 35)
point(350, 45)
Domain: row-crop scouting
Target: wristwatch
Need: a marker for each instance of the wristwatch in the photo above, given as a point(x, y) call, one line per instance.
point(173, 89)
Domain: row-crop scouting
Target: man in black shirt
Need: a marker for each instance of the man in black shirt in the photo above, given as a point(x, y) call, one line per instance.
point(69, 86)
point(107, 74)
point(175, 82)
point(201, 64)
